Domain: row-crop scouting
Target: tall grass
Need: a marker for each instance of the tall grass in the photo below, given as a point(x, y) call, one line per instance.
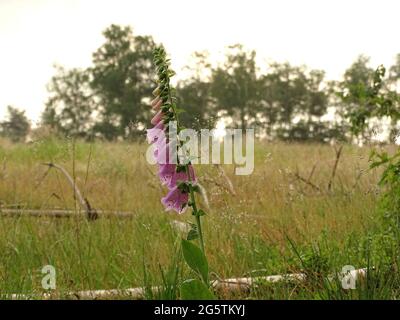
point(247, 233)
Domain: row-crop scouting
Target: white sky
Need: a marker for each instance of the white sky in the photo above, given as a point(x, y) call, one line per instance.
point(326, 34)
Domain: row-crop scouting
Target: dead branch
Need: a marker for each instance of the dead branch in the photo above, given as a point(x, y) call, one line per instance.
point(312, 172)
point(90, 212)
point(306, 181)
point(338, 154)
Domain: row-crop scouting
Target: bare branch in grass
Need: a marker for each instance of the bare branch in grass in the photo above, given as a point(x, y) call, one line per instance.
point(338, 154)
point(312, 172)
point(84, 202)
point(306, 181)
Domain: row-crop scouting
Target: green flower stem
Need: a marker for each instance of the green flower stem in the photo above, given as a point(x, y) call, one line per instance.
point(198, 222)
point(195, 211)
point(192, 196)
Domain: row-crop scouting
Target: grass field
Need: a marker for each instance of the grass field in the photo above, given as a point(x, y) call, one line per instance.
point(272, 222)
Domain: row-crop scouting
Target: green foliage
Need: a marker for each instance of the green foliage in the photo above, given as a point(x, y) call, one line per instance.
point(315, 262)
point(194, 289)
point(16, 127)
point(370, 98)
point(107, 99)
point(394, 71)
point(71, 105)
point(374, 99)
point(235, 85)
point(195, 259)
point(122, 77)
point(110, 99)
point(294, 100)
point(390, 182)
point(246, 236)
point(366, 95)
point(170, 277)
point(194, 93)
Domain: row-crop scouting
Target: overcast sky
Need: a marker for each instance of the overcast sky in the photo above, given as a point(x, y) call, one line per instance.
point(326, 34)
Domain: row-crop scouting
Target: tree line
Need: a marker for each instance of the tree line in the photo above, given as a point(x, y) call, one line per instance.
point(109, 100)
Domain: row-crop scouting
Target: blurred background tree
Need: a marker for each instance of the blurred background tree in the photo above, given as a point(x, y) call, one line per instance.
point(394, 72)
point(356, 79)
point(367, 96)
point(194, 94)
point(110, 98)
point(235, 86)
point(16, 126)
point(70, 106)
point(122, 82)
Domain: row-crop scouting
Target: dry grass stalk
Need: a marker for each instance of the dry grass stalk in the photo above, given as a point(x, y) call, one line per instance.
point(228, 181)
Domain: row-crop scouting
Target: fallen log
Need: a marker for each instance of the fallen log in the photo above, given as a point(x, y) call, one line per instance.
point(234, 284)
point(56, 213)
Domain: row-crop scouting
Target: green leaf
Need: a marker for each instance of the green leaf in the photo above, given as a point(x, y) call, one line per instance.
point(195, 259)
point(194, 289)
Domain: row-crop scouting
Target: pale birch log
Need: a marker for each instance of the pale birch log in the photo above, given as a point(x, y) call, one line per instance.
point(234, 284)
point(56, 213)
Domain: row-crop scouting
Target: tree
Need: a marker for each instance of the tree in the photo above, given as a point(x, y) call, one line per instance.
point(71, 106)
point(235, 86)
point(123, 76)
point(394, 72)
point(312, 106)
point(194, 94)
point(16, 126)
point(374, 100)
point(293, 102)
point(358, 73)
point(360, 84)
point(379, 102)
point(109, 98)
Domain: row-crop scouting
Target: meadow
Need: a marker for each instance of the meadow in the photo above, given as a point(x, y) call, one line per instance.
point(295, 213)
